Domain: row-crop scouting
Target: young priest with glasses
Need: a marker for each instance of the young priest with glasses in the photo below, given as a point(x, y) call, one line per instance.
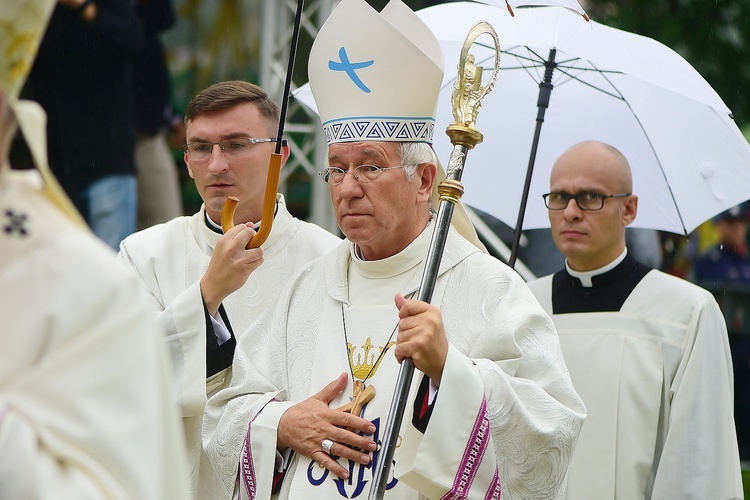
point(205, 285)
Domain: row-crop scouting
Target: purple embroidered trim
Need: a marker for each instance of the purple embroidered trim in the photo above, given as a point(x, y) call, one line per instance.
point(475, 449)
point(495, 491)
point(246, 466)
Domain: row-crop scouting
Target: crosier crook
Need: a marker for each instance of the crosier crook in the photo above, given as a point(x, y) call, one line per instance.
point(468, 93)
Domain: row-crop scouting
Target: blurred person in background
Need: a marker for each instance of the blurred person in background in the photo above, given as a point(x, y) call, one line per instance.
point(159, 196)
point(83, 79)
point(727, 262)
point(725, 270)
point(85, 410)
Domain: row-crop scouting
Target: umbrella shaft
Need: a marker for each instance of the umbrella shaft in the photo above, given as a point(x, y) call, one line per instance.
point(545, 92)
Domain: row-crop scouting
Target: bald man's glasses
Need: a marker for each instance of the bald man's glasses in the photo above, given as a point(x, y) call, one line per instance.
point(590, 202)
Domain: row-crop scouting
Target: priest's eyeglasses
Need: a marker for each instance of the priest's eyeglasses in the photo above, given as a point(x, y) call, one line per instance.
point(232, 148)
point(590, 202)
point(363, 173)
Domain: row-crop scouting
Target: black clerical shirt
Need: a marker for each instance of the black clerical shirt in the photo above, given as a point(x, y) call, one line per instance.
point(608, 293)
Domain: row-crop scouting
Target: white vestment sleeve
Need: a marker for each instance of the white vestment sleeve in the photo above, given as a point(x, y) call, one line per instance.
point(258, 457)
point(29, 470)
point(455, 453)
point(700, 458)
point(234, 451)
point(505, 417)
point(184, 323)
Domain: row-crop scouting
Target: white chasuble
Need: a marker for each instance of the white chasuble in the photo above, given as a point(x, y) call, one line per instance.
point(504, 420)
point(170, 259)
point(85, 403)
point(366, 326)
point(656, 379)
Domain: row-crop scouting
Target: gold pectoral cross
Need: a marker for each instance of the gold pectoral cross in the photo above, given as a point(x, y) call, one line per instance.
point(360, 397)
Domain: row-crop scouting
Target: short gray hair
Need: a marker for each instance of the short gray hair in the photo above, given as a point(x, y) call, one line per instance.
point(414, 154)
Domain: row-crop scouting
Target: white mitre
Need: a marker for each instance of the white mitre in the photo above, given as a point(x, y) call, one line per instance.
point(22, 25)
point(377, 77)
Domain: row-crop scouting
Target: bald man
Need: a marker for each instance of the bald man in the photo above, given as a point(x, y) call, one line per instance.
point(647, 352)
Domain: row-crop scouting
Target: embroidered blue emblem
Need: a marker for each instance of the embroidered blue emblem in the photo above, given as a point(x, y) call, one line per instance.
point(350, 68)
point(359, 475)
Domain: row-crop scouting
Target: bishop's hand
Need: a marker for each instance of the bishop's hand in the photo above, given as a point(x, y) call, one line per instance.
point(230, 266)
point(305, 426)
point(421, 337)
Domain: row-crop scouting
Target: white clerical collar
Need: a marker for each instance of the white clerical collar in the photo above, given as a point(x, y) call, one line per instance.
point(395, 264)
point(587, 276)
point(217, 228)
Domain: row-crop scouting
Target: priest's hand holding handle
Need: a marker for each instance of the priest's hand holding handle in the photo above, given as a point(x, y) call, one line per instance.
point(230, 266)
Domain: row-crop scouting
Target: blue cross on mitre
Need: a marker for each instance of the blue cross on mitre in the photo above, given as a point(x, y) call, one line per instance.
point(350, 68)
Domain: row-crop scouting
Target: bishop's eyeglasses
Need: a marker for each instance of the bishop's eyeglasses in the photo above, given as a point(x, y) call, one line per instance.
point(232, 148)
point(590, 202)
point(363, 173)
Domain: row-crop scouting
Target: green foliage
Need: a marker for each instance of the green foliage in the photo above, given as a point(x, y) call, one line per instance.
point(713, 35)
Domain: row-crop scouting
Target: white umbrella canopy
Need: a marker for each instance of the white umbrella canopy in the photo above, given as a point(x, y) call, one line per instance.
point(689, 159)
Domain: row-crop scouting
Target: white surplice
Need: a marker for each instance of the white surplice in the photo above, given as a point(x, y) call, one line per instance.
point(505, 418)
point(85, 403)
point(656, 378)
point(171, 258)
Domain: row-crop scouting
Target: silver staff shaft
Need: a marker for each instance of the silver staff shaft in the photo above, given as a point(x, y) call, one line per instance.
point(406, 372)
point(468, 93)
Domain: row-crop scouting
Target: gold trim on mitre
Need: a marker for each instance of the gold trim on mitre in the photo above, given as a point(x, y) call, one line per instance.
point(22, 25)
point(376, 76)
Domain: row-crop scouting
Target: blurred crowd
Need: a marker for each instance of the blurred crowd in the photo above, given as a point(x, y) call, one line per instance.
point(101, 76)
point(715, 255)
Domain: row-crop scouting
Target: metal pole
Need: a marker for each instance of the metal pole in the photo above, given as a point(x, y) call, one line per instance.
point(468, 94)
point(406, 372)
point(545, 92)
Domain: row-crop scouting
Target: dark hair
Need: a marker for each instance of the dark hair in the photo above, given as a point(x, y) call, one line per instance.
point(224, 95)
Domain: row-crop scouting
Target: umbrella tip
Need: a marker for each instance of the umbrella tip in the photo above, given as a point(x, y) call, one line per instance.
point(509, 9)
point(586, 17)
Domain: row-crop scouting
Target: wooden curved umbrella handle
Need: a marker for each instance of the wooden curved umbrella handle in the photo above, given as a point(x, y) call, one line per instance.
point(269, 205)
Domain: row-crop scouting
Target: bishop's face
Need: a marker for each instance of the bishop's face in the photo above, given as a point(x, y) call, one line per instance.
point(382, 216)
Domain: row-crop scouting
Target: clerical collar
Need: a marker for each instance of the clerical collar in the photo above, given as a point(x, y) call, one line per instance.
point(216, 228)
point(586, 277)
point(211, 224)
point(394, 265)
